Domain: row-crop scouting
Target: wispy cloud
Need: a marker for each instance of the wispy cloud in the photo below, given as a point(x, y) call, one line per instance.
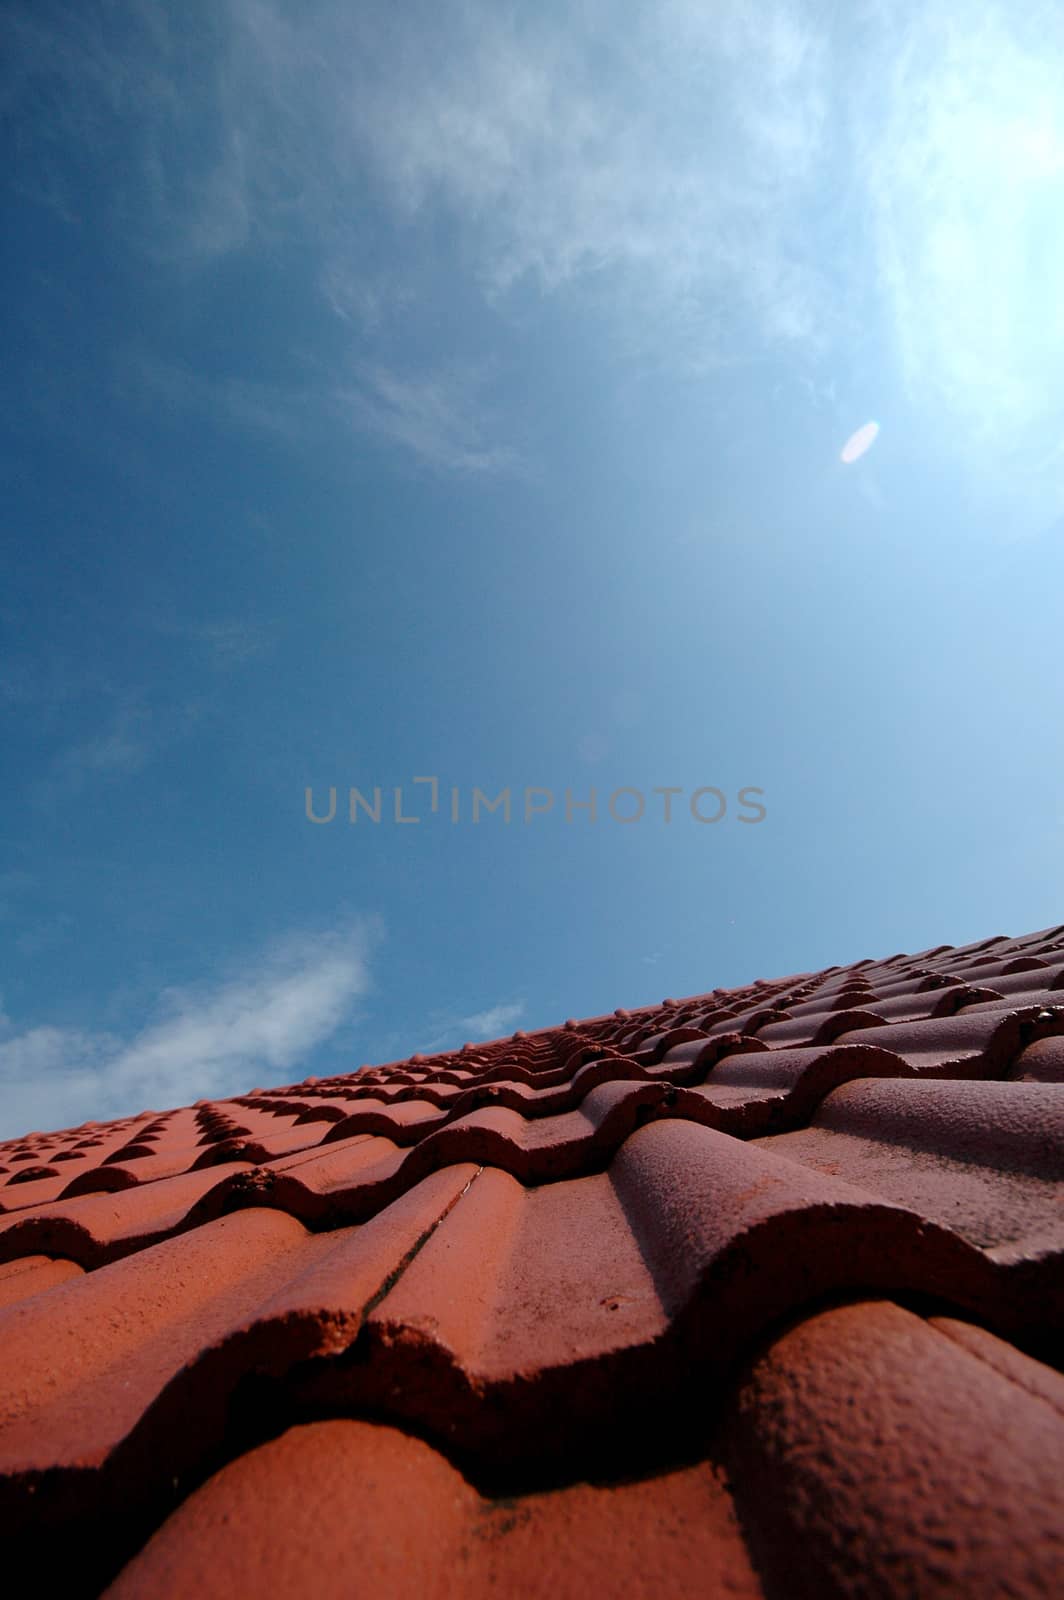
point(262, 1019)
point(233, 641)
point(438, 418)
point(665, 165)
point(437, 414)
point(258, 407)
point(47, 684)
point(494, 1021)
point(662, 143)
point(710, 183)
point(363, 299)
point(116, 751)
point(449, 1030)
point(40, 934)
point(131, 733)
point(225, 641)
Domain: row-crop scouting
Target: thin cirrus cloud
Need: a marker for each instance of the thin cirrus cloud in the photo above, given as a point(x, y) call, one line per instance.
point(224, 642)
point(232, 641)
point(437, 417)
point(709, 181)
point(762, 171)
point(203, 1041)
point(647, 164)
point(438, 414)
point(130, 735)
point(120, 747)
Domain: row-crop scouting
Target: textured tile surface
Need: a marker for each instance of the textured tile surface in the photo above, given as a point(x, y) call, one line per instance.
point(756, 1292)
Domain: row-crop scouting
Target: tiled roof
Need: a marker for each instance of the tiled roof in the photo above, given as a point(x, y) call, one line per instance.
point(756, 1293)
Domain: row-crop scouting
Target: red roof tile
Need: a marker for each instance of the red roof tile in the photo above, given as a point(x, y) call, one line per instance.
point(754, 1292)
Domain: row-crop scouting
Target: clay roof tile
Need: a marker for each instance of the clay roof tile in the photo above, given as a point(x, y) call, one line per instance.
point(722, 1294)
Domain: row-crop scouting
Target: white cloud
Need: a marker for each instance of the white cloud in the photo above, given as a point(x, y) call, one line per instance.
point(653, 141)
point(131, 734)
point(494, 1022)
point(711, 182)
point(39, 934)
point(213, 1039)
point(438, 417)
point(660, 154)
point(226, 641)
point(232, 641)
point(48, 683)
point(361, 299)
point(257, 407)
point(121, 748)
point(437, 414)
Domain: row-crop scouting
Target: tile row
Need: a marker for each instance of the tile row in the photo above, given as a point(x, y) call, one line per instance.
point(481, 1311)
point(734, 1082)
point(865, 1451)
point(995, 973)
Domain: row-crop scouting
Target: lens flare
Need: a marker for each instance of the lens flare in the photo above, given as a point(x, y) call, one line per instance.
point(858, 443)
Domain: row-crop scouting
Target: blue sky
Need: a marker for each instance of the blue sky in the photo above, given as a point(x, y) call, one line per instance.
point(463, 394)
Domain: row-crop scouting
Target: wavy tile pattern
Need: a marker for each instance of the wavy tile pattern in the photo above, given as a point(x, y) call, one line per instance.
point(625, 1302)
